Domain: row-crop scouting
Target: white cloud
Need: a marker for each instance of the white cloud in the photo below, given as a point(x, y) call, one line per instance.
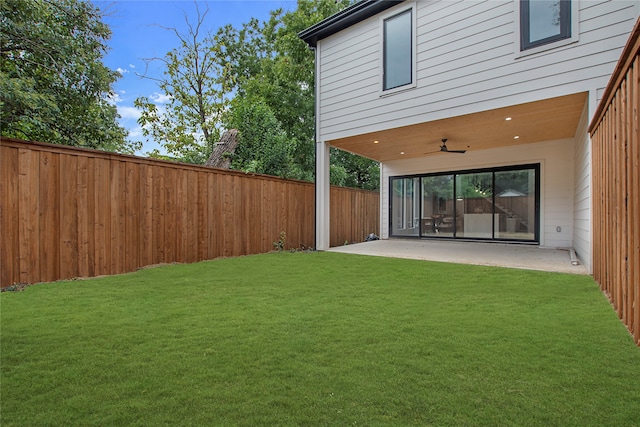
point(129, 112)
point(135, 132)
point(113, 98)
point(122, 91)
point(122, 71)
point(160, 98)
point(132, 66)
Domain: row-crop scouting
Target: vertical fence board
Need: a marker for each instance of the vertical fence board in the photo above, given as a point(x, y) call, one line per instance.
point(91, 216)
point(634, 202)
point(218, 219)
point(102, 225)
point(133, 215)
point(239, 226)
point(68, 216)
point(191, 240)
point(145, 202)
point(211, 216)
point(226, 214)
point(158, 215)
point(268, 223)
point(119, 217)
point(49, 216)
point(28, 211)
point(202, 229)
point(82, 194)
point(9, 221)
point(171, 215)
point(254, 232)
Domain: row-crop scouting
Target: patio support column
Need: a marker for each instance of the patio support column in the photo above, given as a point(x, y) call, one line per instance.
point(322, 196)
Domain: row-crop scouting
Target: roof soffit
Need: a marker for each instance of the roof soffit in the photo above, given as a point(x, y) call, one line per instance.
point(545, 120)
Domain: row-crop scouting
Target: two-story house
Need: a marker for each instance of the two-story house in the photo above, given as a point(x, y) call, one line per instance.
point(476, 110)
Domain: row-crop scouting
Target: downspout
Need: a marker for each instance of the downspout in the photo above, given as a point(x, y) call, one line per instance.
point(315, 147)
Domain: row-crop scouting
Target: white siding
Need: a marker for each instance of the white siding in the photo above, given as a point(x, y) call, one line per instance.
point(556, 181)
point(582, 196)
point(466, 63)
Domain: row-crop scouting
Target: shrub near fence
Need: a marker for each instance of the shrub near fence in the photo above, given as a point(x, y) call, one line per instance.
point(67, 212)
point(615, 134)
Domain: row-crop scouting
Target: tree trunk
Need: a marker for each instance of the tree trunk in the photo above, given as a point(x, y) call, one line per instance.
point(223, 150)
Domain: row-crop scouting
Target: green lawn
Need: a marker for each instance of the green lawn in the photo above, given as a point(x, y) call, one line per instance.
point(317, 339)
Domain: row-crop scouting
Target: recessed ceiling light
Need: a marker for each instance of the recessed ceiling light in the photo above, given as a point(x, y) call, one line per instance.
point(516, 137)
point(402, 152)
point(376, 141)
point(508, 118)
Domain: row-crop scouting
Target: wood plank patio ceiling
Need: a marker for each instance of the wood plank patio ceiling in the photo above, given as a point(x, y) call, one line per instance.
point(549, 119)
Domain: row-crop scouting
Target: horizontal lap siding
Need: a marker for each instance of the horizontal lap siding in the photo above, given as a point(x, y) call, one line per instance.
point(67, 212)
point(615, 135)
point(582, 193)
point(466, 62)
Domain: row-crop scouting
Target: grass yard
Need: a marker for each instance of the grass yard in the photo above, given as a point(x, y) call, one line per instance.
point(317, 339)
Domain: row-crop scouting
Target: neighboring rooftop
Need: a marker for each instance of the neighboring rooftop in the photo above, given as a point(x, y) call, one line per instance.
point(345, 18)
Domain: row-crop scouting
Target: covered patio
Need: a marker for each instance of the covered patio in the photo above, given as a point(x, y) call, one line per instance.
point(527, 257)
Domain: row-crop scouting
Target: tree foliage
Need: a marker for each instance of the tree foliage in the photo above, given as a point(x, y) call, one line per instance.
point(270, 65)
point(53, 84)
point(264, 146)
point(194, 82)
point(349, 170)
point(259, 79)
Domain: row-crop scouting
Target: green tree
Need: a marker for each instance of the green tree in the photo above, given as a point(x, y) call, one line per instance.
point(269, 64)
point(264, 146)
point(349, 170)
point(188, 124)
point(53, 84)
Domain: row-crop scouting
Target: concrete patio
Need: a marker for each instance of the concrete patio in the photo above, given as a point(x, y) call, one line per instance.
point(478, 253)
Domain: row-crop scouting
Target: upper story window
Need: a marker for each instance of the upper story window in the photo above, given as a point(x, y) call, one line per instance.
point(398, 51)
point(543, 22)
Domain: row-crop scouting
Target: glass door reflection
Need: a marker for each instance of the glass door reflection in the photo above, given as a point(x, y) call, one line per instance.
point(437, 206)
point(474, 203)
point(406, 205)
point(515, 204)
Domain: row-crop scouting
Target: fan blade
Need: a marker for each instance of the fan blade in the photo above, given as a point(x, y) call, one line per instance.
point(444, 149)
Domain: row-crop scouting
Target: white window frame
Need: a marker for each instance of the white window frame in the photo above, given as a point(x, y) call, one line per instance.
point(414, 45)
point(575, 33)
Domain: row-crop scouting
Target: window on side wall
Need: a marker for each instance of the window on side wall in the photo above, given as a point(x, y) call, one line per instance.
point(543, 22)
point(398, 51)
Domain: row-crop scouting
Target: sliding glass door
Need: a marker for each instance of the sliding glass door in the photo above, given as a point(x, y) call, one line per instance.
point(437, 206)
point(486, 204)
point(474, 194)
point(405, 214)
point(515, 203)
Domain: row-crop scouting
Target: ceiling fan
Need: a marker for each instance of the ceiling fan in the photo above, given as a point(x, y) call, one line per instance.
point(444, 149)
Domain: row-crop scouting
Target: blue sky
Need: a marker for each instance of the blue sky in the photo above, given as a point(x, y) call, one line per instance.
point(137, 33)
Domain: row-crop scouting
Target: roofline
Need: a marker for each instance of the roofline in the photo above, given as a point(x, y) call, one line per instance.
point(345, 18)
point(630, 51)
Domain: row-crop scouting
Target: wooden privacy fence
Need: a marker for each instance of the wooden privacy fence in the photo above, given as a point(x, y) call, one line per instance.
point(615, 138)
point(353, 215)
point(67, 212)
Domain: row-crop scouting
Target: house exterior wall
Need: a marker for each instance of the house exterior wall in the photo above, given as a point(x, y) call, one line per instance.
point(467, 61)
point(582, 192)
point(556, 160)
